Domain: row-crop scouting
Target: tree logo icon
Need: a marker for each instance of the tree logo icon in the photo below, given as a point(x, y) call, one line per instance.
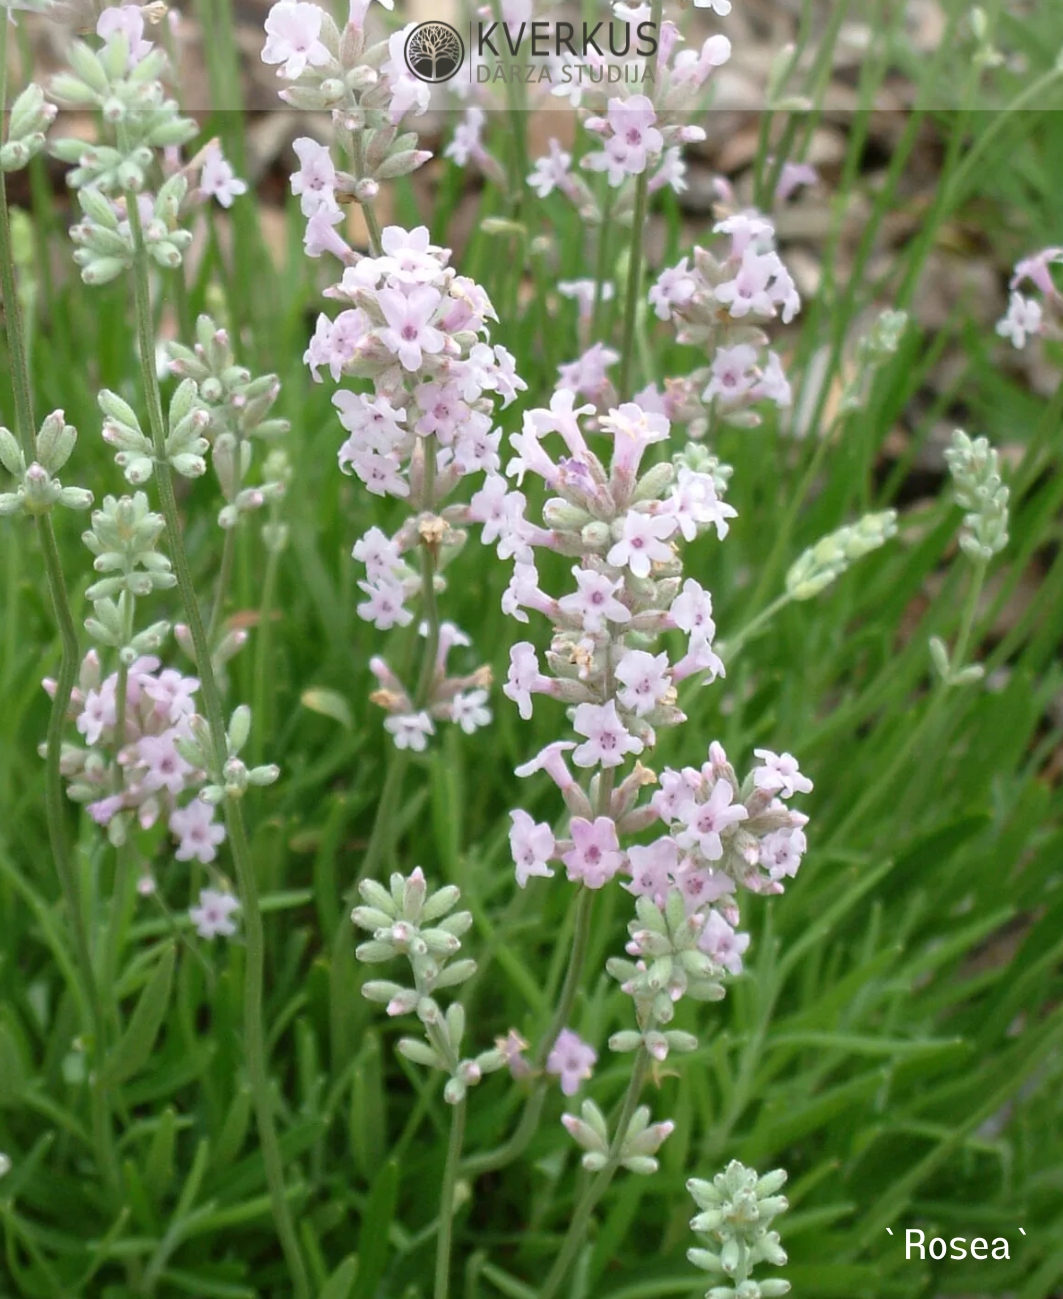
point(434, 52)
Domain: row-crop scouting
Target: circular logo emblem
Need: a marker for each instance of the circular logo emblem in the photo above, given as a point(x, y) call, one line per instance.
point(434, 52)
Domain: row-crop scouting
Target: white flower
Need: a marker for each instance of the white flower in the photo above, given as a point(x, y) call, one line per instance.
point(410, 730)
point(469, 712)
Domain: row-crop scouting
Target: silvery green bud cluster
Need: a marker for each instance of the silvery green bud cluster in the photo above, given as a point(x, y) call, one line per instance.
point(123, 537)
point(832, 555)
point(237, 402)
point(737, 1209)
point(238, 405)
point(358, 83)
point(112, 625)
point(697, 457)
point(185, 444)
point(406, 920)
point(670, 966)
point(641, 1141)
point(39, 488)
point(872, 351)
point(130, 99)
point(939, 656)
point(978, 489)
point(31, 115)
point(231, 778)
point(106, 246)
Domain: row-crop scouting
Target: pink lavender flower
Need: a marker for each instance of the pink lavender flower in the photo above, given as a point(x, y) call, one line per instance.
point(781, 852)
point(780, 774)
point(721, 944)
point(213, 916)
point(467, 141)
point(314, 184)
point(322, 237)
point(385, 608)
point(525, 678)
point(572, 1060)
point(409, 333)
point(733, 373)
point(675, 285)
point(128, 20)
point(642, 542)
point(595, 856)
point(792, 176)
point(165, 768)
point(199, 835)
point(645, 680)
point(589, 374)
point(532, 847)
point(652, 867)
point(704, 822)
point(594, 601)
point(551, 172)
point(293, 30)
point(1035, 269)
point(634, 138)
point(607, 742)
point(552, 761)
point(217, 177)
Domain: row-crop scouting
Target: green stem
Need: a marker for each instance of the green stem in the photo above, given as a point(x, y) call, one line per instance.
point(970, 612)
point(602, 265)
point(55, 806)
point(597, 1187)
point(634, 268)
point(254, 1032)
point(533, 1106)
point(225, 573)
point(515, 109)
point(259, 707)
point(372, 223)
point(429, 563)
point(731, 648)
point(446, 1200)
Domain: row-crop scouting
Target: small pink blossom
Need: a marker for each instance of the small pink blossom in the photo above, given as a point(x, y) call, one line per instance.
point(652, 866)
point(594, 601)
point(314, 184)
point(572, 1060)
point(675, 287)
point(705, 822)
point(409, 334)
point(213, 916)
point(607, 742)
point(721, 944)
point(293, 29)
point(218, 179)
point(532, 847)
point(595, 856)
point(552, 761)
point(128, 20)
point(199, 835)
point(780, 774)
point(643, 542)
point(644, 680)
point(551, 172)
